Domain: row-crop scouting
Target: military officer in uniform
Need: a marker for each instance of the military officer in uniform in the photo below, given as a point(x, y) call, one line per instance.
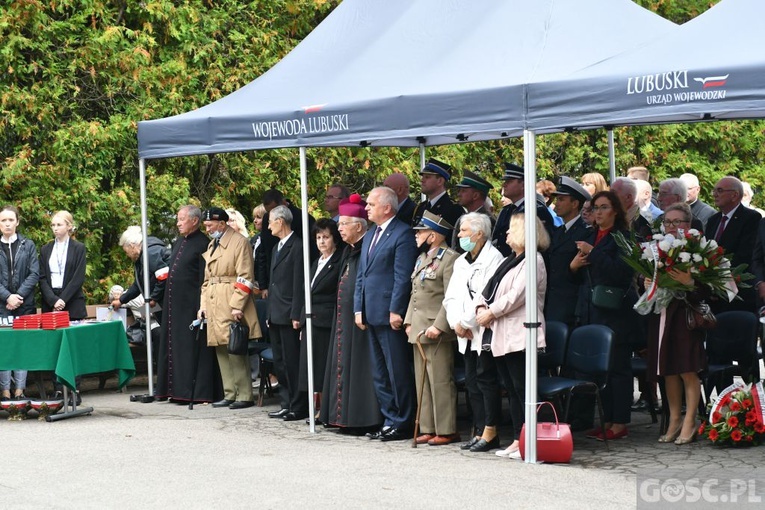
point(432, 271)
point(471, 195)
point(226, 297)
point(562, 289)
point(434, 177)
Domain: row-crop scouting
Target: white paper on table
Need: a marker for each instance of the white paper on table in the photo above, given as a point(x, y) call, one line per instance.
point(106, 314)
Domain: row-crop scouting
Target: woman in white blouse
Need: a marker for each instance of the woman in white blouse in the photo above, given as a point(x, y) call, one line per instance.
point(62, 269)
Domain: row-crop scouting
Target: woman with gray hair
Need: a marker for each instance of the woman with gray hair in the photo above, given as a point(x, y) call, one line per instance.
point(469, 276)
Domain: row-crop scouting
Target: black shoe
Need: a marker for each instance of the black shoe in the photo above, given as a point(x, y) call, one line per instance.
point(292, 416)
point(484, 446)
point(377, 434)
point(281, 413)
point(20, 396)
point(469, 444)
point(78, 399)
point(396, 434)
point(223, 403)
point(162, 399)
point(640, 405)
point(241, 404)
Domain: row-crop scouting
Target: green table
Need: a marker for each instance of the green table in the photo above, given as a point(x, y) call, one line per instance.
point(69, 352)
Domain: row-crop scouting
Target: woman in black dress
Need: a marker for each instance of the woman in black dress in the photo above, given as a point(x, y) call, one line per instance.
point(62, 273)
point(325, 271)
point(349, 399)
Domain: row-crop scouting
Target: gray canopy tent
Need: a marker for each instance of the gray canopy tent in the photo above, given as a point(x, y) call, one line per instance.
point(412, 74)
point(710, 68)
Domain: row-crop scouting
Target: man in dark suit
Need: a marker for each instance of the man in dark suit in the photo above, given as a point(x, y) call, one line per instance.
point(286, 299)
point(383, 287)
point(433, 177)
point(674, 190)
point(699, 209)
point(562, 288)
point(734, 227)
point(512, 188)
point(399, 183)
point(758, 265)
point(271, 199)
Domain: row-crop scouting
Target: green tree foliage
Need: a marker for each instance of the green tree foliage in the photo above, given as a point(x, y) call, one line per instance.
point(76, 76)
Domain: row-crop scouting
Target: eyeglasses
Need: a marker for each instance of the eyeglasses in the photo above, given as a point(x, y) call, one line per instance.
point(587, 209)
point(721, 190)
point(344, 223)
point(601, 208)
point(674, 223)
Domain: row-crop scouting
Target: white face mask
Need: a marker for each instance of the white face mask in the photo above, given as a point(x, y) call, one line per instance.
point(216, 235)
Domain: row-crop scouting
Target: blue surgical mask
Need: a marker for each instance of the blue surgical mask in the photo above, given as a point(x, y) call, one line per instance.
point(466, 244)
point(216, 235)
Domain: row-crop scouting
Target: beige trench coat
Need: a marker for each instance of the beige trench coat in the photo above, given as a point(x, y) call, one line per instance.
point(220, 295)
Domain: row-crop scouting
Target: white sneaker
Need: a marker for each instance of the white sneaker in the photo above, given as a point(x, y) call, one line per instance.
point(515, 455)
point(506, 452)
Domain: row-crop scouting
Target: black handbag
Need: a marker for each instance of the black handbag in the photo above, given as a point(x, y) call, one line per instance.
point(136, 332)
point(238, 338)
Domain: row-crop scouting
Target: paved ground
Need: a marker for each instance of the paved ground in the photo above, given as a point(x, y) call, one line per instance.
point(133, 455)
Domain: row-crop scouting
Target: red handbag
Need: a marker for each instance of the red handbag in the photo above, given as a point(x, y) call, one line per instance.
point(554, 441)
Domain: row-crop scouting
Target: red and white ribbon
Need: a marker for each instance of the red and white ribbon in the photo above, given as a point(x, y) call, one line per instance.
point(162, 274)
point(758, 396)
point(654, 281)
point(244, 285)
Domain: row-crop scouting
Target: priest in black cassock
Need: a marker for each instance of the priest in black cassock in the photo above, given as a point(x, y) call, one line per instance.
point(178, 344)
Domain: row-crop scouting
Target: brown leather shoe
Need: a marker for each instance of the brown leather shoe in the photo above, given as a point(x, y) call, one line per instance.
point(424, 438)
point(442, 440)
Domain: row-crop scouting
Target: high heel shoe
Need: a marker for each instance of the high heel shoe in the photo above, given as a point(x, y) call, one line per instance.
point(670, 438)
point(686, 440)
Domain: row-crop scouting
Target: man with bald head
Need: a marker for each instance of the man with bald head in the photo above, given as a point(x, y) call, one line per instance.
point(734, 227)
point(700, 209)
point(399, 183)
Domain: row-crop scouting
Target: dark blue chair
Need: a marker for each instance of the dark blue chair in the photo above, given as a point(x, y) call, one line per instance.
point(262, 348)
point(732, 350)
point(588, 355)
point(556, 339)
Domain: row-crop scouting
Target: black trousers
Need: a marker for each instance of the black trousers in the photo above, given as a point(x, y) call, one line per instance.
point(513, 370)
point(487, 379)
point(285, 343)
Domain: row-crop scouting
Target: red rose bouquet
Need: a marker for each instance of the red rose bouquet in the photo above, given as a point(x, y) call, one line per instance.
point(737, 417)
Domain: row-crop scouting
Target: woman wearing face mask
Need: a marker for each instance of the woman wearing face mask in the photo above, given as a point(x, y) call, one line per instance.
point(432, 272)
point(471, 271)
point(19, 273)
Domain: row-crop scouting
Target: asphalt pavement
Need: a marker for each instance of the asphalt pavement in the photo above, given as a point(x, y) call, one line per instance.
point(163, 455)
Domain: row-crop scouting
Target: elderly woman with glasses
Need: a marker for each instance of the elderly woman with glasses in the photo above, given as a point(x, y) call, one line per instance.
point(675, 352)
point(598, 262)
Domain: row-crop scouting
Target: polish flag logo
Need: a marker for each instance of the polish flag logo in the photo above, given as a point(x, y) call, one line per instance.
point(314, 108)
point(712, 81)
point(162, 274)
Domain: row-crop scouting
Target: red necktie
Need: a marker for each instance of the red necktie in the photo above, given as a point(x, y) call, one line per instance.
point(721, 228)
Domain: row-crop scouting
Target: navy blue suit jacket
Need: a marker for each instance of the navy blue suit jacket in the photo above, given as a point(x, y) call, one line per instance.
point(383, 281)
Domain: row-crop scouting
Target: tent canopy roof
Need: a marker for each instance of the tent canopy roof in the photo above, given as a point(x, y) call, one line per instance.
point(402, 72)
point(712, 67)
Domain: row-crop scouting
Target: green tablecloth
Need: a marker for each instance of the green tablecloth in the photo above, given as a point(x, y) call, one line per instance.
point(69, 352)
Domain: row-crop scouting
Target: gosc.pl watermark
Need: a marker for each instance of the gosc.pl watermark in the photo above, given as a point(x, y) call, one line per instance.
point(696, 490)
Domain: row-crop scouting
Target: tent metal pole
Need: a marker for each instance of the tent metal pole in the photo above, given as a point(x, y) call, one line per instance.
point(611, 155)
point(308, 331)
point(145, 255)
point(530, 199)
point(422, 165)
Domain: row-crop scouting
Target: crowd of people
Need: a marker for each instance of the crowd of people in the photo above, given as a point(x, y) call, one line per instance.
point(402, 291)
